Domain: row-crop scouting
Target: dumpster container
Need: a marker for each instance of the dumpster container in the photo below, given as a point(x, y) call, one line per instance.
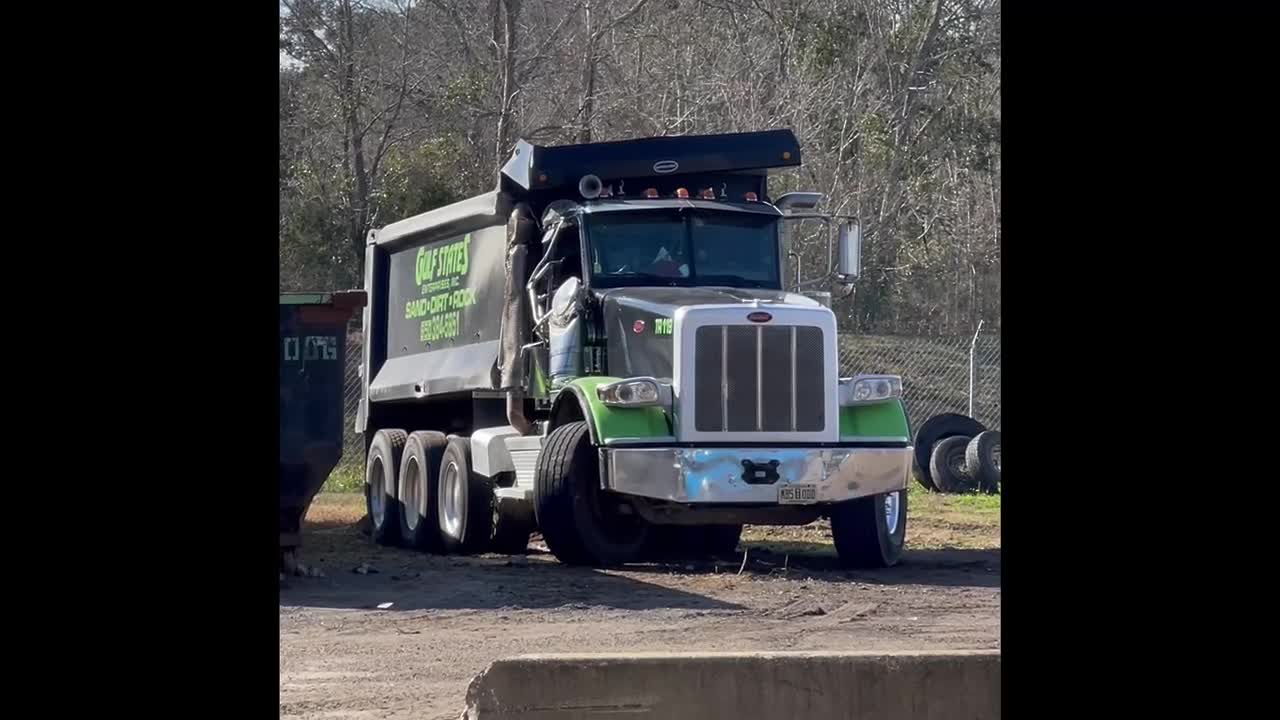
point(313, 347)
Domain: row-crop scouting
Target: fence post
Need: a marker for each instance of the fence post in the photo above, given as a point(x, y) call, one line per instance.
point(973, 365)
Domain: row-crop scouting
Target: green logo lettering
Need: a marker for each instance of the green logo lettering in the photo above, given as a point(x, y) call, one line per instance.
point(439, 273)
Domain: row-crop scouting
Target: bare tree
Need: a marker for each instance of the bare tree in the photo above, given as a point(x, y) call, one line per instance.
point(896, 104)
point(364, 56)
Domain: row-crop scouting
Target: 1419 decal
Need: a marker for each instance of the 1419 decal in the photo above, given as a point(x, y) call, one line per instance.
point(311, 347)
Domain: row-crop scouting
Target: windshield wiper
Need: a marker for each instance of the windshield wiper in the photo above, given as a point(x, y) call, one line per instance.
point(731, 280)
point(665, 279)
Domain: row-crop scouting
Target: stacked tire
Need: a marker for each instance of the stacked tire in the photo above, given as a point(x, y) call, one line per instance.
point(957, 454)
point(982, 459)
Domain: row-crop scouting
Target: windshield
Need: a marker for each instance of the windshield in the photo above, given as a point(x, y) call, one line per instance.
point(684, 248)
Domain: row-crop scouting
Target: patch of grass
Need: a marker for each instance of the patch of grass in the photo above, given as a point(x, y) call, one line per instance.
point(974, 502)
point(934, 521)
point(346, 478)
point(977, 502)
point(334, 509)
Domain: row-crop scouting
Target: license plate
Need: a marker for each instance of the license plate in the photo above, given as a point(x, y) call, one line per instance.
point(797, 494)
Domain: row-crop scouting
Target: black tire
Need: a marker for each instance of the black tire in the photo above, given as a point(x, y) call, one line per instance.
point(419, 490)
point(934, 429)
point(381, 476)
point(719, 539)
point(578, 520)
point(947, 464)
point(674, 542)
point(982, 457)
point(666, 542)
point(512, 526)
point(860, 531)
point(469, 531)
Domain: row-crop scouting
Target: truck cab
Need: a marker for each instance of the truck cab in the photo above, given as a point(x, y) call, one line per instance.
point(661, 384)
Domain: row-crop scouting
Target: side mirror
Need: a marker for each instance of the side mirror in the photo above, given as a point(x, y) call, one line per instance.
point(798, 201)
point(850, 252)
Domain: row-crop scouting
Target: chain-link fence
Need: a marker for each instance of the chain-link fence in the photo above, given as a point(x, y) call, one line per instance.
point(351, 468)
point(937, 374)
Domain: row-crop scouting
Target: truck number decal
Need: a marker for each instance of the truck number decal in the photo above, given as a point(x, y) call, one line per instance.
point(311, 347)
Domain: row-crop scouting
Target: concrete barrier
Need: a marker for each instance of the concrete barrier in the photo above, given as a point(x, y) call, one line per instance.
point(955, 685)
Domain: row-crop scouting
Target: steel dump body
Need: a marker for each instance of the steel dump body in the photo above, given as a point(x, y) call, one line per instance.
point(436, 297)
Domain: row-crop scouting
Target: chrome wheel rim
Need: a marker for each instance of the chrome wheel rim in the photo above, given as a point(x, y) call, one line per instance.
point(377, 492)
point(411, 492)
point(451, 501)
point(891, 512)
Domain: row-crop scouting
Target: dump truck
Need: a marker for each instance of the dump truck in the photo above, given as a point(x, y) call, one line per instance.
point(607, 349)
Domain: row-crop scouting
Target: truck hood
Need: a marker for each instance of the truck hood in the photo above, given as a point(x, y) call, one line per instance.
point(639, 344)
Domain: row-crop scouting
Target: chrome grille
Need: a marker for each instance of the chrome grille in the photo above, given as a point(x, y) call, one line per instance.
point(758, 378)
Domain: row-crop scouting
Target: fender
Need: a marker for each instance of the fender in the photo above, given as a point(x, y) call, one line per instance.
point(605, 423)
point(880, 421)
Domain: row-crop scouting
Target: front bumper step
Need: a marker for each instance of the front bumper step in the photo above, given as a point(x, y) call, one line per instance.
point(755, 475)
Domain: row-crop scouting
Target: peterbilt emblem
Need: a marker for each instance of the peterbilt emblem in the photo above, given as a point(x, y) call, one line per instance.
point(665, 167)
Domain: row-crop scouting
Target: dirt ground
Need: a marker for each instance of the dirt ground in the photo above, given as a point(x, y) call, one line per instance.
point(343, 657)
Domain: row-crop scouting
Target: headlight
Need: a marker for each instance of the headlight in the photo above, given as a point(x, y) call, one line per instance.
point(634, 392)
point(867, 389)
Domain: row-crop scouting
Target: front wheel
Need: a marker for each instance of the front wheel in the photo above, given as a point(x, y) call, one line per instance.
point(582, 524)
point(871, 532)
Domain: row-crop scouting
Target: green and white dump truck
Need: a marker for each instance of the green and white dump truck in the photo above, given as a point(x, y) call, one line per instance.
point(604, 349)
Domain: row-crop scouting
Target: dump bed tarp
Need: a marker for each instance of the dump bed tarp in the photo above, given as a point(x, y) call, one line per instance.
point(535, 168)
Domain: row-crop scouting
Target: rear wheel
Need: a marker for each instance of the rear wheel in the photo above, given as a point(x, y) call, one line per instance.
point(419, 489)
point(582, 524)
point(512, 526)
point(871, 532)
point(465, 500)
point(380, 481)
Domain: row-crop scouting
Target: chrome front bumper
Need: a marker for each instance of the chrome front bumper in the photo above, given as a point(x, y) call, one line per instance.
point(719, 475)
